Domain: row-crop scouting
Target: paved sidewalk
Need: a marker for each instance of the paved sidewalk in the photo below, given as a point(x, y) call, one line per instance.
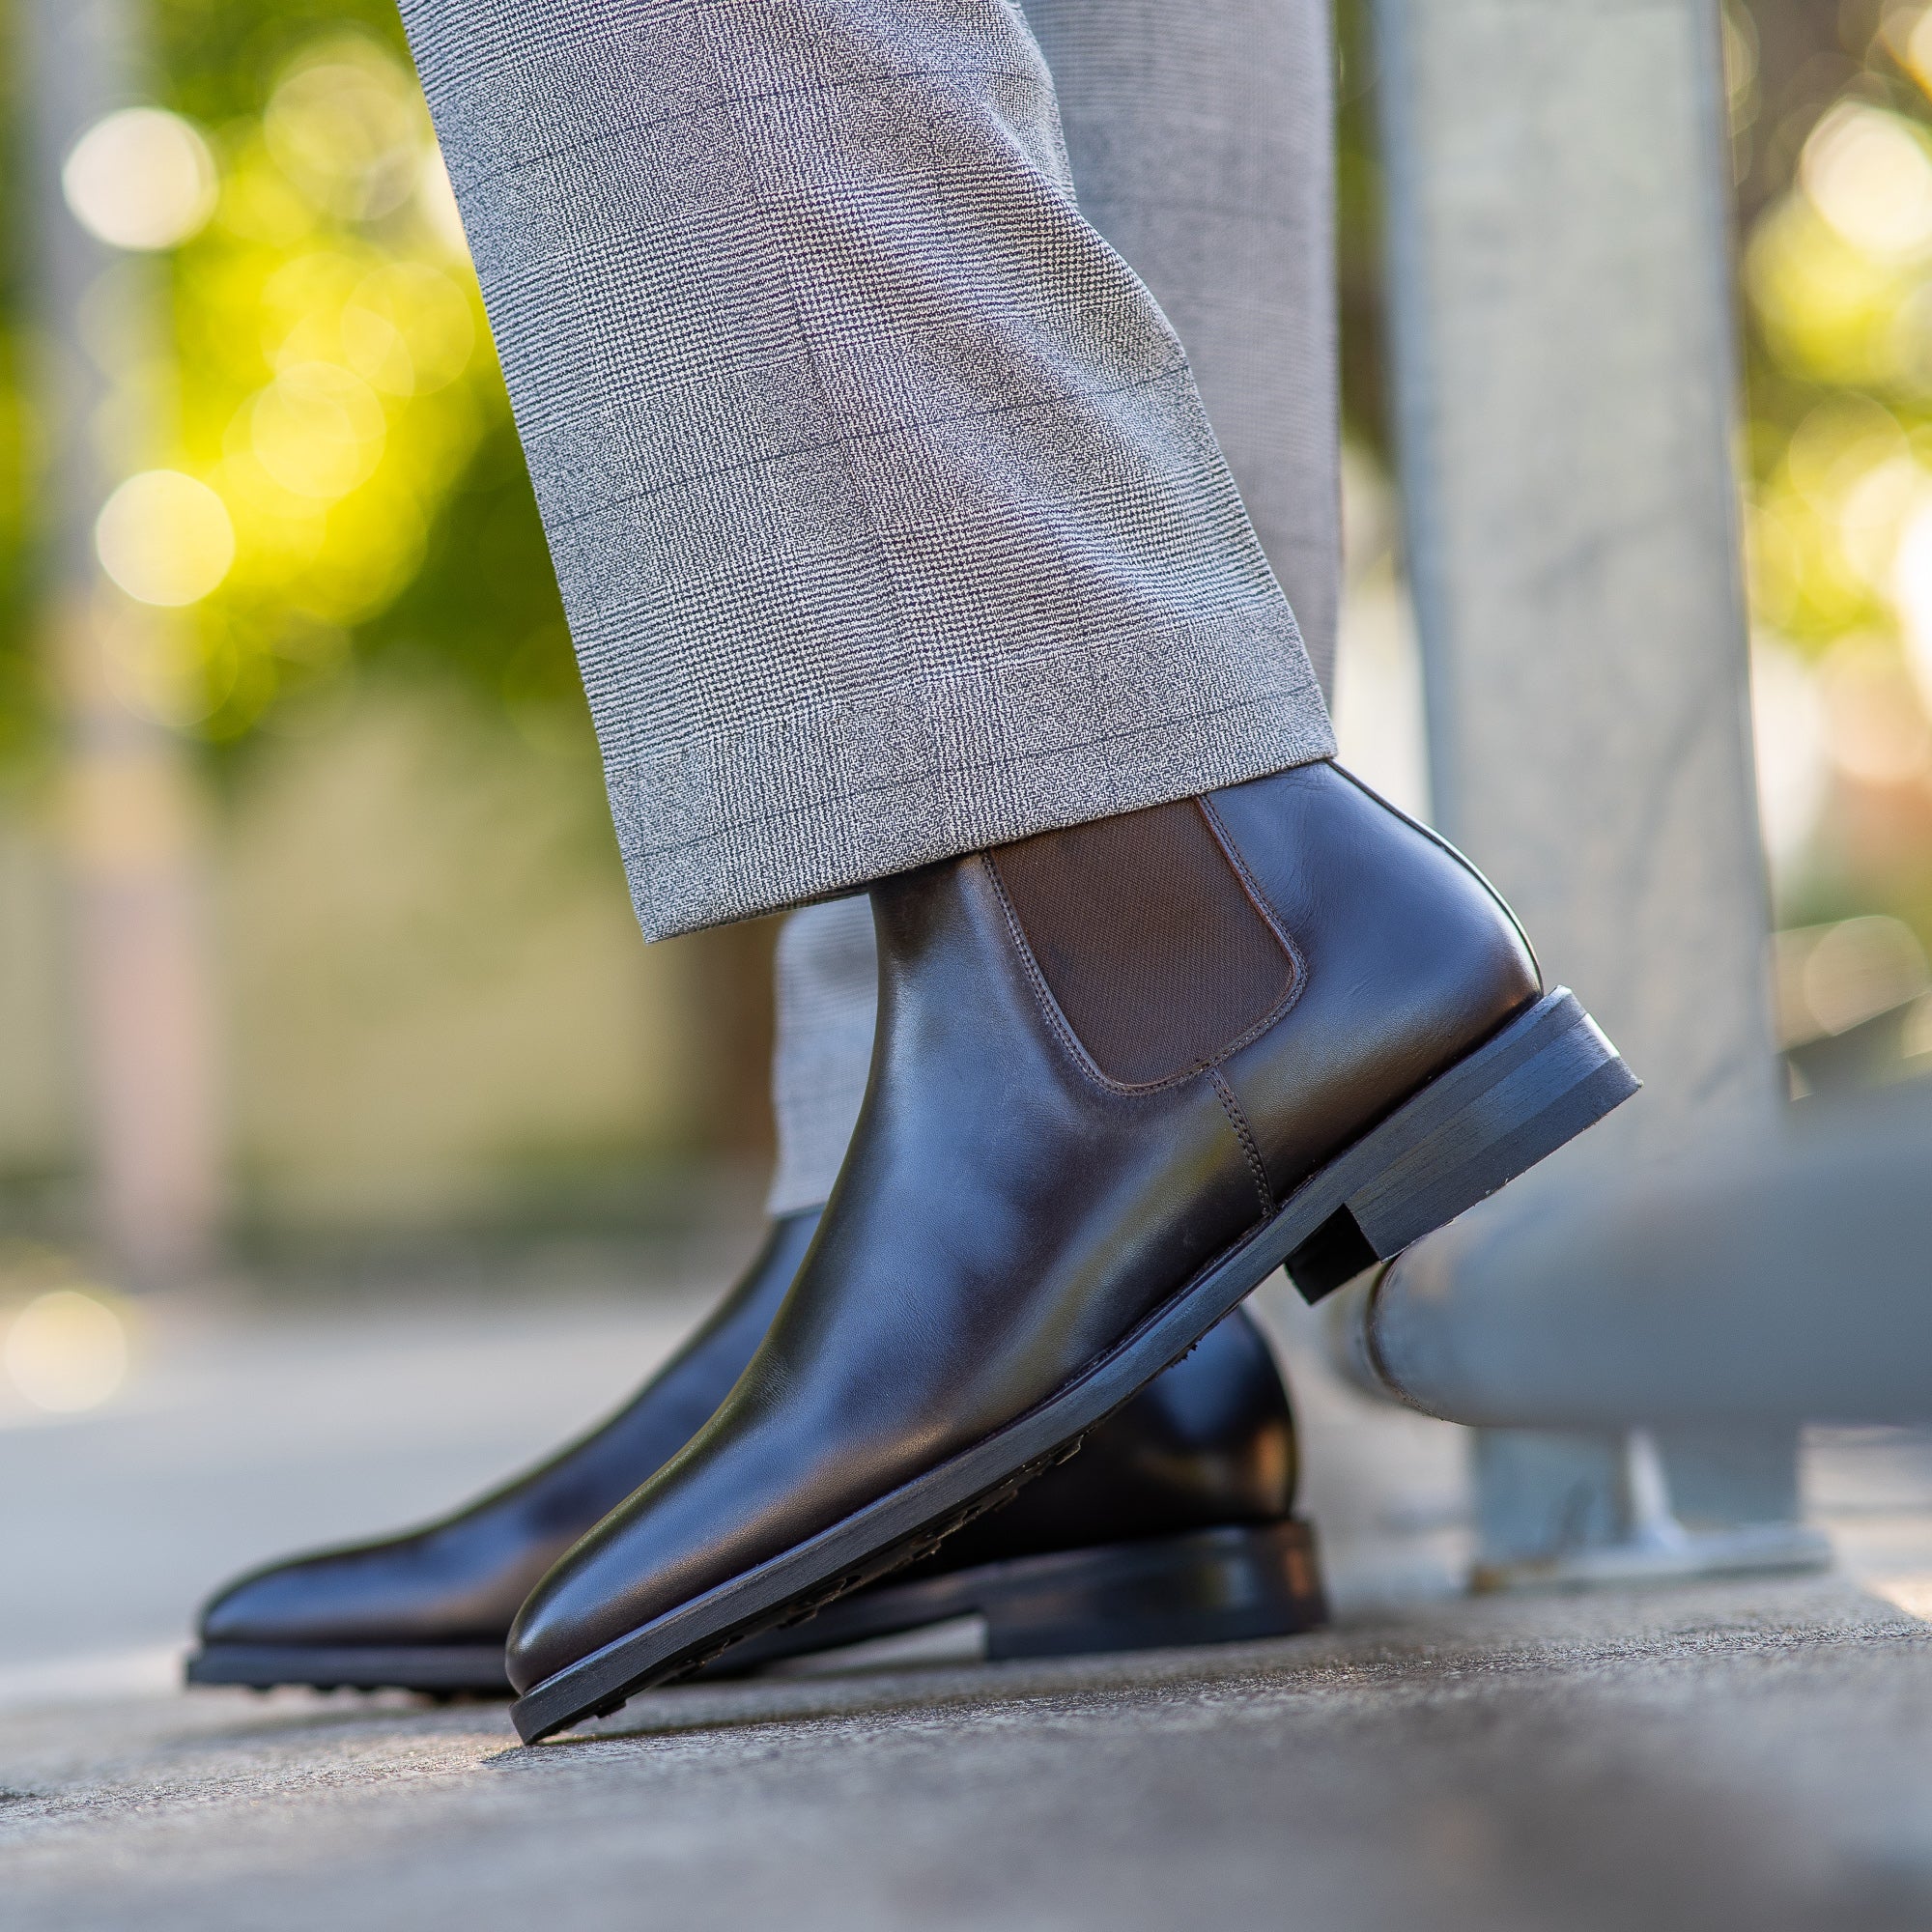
point(1749, 1755)
point(1739, 1757)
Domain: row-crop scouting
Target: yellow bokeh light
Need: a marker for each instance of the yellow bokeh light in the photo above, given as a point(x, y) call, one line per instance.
point(318, 430)
point(348, 128)
point(303, 302)
point(142, 178)
point(164, 538)
point(65, 1350)
point(1824, 304)
point(1840, 443)
point(1917, 56)
point(408, 330)
point(335, 380)
point(1911, 591)
point(1871, 512)
point(435, 202)
point(376, 545)
point(1869, 174)
point(1874, 727)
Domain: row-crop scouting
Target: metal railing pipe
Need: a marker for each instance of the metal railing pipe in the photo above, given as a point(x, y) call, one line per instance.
point(1786, 1277)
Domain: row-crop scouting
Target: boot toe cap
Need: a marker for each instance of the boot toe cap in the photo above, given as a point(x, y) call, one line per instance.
point(287, 1603)
point(549, 1636)
point(613, 1581)
point(398, 1594)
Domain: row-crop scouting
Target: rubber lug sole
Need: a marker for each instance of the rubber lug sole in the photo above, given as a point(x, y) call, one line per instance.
point(1532, 1085)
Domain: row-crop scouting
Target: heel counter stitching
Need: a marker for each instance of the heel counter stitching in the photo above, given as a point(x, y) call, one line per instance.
point(1243, 1133)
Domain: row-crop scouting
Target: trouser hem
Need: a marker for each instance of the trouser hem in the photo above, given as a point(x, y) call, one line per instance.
point(857, 797)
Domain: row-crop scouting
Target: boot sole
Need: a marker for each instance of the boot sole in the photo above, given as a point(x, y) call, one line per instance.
point(1230, 1584)
point(1532, 1085)
point(438, 1671)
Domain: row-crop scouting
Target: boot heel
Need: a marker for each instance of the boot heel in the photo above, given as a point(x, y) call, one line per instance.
point(1518, 1097)
point(1228, 1586)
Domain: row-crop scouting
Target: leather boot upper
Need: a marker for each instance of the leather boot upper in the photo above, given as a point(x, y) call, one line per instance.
point(1210, 1442)
point(1011, 1206)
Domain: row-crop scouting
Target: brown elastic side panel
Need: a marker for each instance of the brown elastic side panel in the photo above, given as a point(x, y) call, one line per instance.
point(1147, 938)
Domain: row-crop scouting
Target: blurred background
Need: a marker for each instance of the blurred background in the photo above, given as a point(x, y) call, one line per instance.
point(313, 942)
point(317, 970)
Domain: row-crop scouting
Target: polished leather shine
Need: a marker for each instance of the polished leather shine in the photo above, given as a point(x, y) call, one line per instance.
point(1206, 1444)
point(1007, 1214)
point(461, 1580)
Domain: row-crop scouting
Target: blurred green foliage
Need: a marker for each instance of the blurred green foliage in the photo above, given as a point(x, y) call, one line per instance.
point(337, 249)
point(1832, 116)
point(1837, 274)
point(334, 382)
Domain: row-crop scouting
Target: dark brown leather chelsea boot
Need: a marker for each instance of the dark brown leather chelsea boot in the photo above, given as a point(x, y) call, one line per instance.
point(1173, 1527)
point(1122, 1072)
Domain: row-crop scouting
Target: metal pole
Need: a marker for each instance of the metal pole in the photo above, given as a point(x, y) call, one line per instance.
point(139, 947)
point(1776, 1281)
point(1565, 373)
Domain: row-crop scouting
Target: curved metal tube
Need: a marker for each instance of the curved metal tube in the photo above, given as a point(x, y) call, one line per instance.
point(1786, 1279)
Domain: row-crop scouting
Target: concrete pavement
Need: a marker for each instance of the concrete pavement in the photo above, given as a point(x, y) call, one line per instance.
point(1746, 1754)
point(1738, 1757)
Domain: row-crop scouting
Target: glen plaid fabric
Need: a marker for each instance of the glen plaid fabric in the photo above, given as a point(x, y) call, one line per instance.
point(1202, 140)
point(887, 516)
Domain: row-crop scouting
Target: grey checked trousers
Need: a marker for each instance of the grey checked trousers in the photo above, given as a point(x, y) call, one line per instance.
point(1201, 141)
point(885, 506)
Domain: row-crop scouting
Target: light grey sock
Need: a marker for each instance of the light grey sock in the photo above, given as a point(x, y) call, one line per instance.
point(828, 991)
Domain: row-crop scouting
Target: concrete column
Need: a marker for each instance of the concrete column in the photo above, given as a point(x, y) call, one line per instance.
point(1564, 382)
point(140, 980)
